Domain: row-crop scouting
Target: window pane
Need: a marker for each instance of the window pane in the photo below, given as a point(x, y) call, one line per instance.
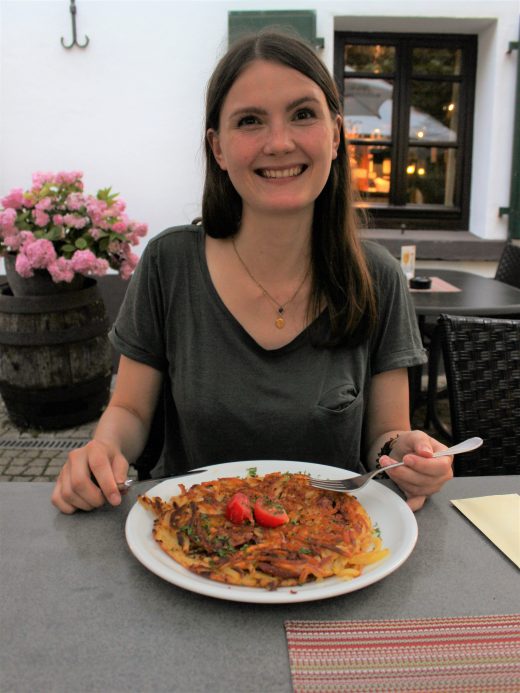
point(368, 107)
point(370, 171)
point(436, 61)
point(430, 175)
point(374, 59)
point(434, 111)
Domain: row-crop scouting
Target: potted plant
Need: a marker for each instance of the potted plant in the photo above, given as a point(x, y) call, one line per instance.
point(56, 234)
point(55, 356)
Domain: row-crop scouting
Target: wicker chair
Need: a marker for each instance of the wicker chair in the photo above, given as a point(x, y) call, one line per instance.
point(508, 269)
point(482, 362)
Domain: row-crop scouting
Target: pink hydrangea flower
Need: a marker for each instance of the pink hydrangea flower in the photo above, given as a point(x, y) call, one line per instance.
point(75, 221)
point(14, 199)
point(7, 220)
point(44, 204)
point(119, 227)
point(61, 270)
point(40, 218)
point(140, 229)
point(83, 261)
point(23, 266)
point(128, 266)
point(40, 253)
point(40, 178)
point(68, 177)
point(74, 202)
point(102, 266)
point(95, 233)
point(13, 243)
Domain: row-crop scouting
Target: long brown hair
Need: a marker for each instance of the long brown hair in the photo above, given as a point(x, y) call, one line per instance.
point(340, 275)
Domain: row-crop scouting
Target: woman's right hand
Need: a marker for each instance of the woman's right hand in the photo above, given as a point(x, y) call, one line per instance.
point(75, 488)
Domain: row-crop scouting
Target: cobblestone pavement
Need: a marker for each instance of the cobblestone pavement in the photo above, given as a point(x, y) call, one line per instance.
point(41, 463)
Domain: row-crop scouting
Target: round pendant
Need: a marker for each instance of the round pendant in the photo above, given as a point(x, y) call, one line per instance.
point(279, 322)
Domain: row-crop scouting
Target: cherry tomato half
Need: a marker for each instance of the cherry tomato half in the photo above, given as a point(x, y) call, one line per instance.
point(238, 510)
point(270, 513)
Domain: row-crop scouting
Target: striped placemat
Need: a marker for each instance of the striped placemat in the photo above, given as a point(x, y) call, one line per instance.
point(432, 654)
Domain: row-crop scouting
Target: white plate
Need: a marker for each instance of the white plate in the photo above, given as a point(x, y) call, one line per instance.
point(388, 511)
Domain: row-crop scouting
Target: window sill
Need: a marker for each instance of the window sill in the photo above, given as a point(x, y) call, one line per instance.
point(437, 245)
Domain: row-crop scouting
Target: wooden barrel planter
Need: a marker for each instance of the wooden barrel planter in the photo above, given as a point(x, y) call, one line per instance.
point(55, 357)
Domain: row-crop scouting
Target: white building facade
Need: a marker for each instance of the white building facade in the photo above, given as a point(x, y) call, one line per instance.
point(128, 109)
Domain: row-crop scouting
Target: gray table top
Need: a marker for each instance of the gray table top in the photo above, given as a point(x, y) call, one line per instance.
point(477, 296)
point(79, 613)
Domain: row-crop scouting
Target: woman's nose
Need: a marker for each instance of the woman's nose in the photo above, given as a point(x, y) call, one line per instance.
point(279, 140)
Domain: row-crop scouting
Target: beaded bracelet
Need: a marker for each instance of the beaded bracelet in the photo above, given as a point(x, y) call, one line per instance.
point(385, 450)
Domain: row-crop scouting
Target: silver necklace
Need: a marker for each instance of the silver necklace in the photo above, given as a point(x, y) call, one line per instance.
point(280, 307)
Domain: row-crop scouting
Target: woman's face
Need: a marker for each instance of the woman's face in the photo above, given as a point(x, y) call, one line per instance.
point(276, 139)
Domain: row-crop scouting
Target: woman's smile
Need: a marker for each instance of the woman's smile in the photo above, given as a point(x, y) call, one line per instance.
point(290, 172)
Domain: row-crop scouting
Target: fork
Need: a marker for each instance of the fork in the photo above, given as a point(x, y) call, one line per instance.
point(357, 482)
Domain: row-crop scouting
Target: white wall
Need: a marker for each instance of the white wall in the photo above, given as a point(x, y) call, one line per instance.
point(128, 110)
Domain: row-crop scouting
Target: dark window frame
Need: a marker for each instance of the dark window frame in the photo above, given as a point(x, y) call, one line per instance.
point(398, 214)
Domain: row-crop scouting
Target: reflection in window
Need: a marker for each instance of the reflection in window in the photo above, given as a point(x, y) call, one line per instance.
point(430, 176)
point(436, 61)
point(434, 111)
point(370, 168)
point(367, 106)
point(375, 59)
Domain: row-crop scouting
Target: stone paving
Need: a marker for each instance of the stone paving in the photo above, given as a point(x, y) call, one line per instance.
point(20, 464)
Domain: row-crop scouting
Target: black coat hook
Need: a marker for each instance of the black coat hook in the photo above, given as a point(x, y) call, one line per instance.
point(73, 12)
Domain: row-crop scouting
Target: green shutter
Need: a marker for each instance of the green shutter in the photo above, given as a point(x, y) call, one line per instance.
point(301, 21)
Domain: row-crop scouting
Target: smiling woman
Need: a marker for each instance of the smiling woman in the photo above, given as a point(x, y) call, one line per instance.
point(317, 329)
point(277, 156)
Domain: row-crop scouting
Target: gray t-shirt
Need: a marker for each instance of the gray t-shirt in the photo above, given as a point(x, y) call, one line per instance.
point(230, 398)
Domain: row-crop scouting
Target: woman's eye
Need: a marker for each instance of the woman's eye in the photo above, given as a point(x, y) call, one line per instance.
point(248, 120)
point(304, 114)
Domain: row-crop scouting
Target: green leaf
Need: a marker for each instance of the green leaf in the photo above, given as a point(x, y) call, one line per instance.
point(53, 234)
point(117, 236)
point(68, 248)
point(106, 195)
point(81, 243)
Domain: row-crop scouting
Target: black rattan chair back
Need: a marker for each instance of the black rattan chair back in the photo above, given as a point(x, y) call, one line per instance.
point(508, 270)
point(482, 362)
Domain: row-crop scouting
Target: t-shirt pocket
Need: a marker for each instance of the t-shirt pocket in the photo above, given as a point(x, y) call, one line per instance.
point(340, 399)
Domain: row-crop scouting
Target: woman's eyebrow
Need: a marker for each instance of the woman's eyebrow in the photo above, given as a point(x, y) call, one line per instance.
point(257, 110)
point(300, 101)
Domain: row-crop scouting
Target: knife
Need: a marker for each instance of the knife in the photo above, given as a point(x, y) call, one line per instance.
point(128, 483)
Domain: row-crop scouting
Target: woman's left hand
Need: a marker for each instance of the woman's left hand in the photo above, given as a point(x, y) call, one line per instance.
point(421, 475)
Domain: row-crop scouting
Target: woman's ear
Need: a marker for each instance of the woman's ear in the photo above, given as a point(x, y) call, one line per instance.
point(336, 138)
point(214, 143)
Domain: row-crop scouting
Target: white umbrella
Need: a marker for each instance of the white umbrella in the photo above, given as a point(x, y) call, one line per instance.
point(422, 125)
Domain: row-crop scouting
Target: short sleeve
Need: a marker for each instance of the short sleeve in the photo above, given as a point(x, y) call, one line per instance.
point(397, 341)
point(139, 328)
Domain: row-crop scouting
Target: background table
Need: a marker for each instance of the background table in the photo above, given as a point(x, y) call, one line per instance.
point(79, 613)
point(477, 296)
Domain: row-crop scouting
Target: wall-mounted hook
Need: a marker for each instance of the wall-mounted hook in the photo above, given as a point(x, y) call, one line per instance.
point(73, 12)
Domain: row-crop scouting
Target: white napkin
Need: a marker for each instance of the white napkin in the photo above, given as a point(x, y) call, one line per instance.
point(498, 517)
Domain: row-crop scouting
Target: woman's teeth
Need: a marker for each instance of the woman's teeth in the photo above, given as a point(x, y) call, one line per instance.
point(281, 173)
